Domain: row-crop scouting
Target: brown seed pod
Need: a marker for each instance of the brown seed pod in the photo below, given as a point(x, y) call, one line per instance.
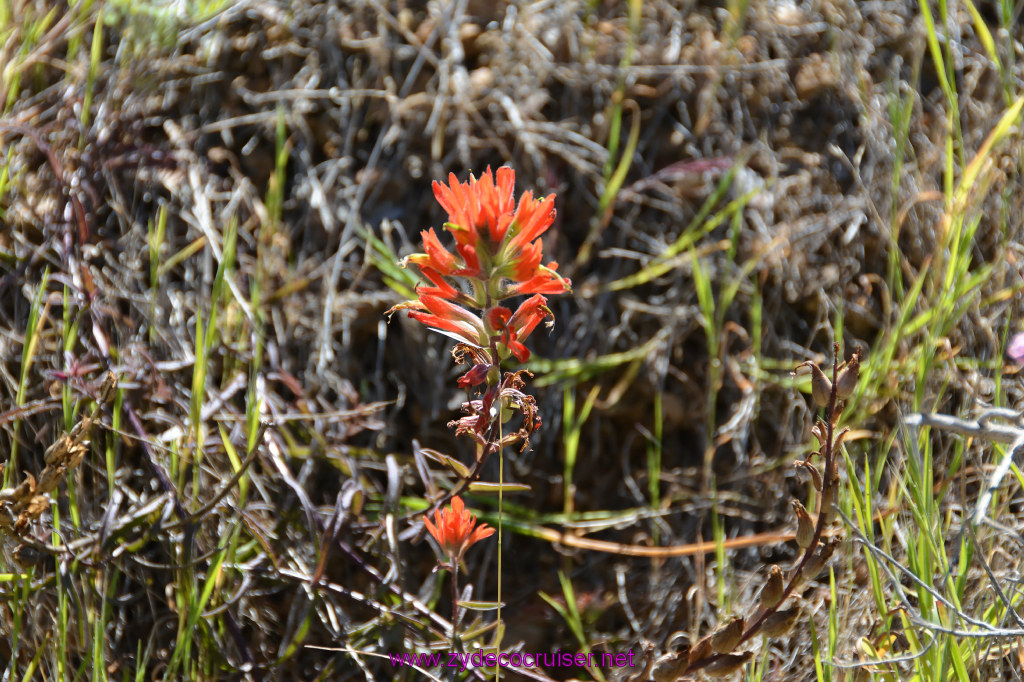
point(780, 622)
point(701, 649)
point(804, 525)
point(819, 435)
point(670, 666)
point(846, 382)
point(77, 454)
point(728, 664)
point(817, 562)
point(821, 386)
point(57, 451)
point(108, 389)
point(727, 637)
point(812, 471)
point(771, 593)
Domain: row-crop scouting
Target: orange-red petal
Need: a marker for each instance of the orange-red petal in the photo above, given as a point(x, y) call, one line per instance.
point(440, 259)
point(532, 219)
point(444, 314)
point(442, 288)
point(455, 529)
point(529, 314)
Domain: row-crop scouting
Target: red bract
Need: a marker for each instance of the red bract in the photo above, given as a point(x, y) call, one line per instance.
point(436, 256)
point(478, 204)
point(455, 529)
point(443, 288)
point(543, 281)
point(447, 316)
point(529, 314)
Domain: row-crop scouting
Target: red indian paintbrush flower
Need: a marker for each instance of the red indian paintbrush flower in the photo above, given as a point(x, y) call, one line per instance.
point(499, 256)
point(497, 242)
point(455, 529)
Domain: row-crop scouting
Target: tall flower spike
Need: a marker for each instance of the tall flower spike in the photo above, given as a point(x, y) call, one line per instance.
point(455, 529)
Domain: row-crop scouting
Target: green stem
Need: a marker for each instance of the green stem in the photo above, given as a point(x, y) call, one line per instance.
point(496, 361)
point(455, 600)
point(501, 484)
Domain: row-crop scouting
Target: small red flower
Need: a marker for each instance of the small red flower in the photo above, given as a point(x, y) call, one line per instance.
point(455, 529)
point(526, 318)
point(476, 375)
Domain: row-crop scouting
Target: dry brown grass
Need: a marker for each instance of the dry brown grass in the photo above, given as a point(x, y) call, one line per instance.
point(311, 126)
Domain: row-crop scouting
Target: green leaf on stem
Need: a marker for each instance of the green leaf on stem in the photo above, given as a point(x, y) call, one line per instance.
point(483, 487)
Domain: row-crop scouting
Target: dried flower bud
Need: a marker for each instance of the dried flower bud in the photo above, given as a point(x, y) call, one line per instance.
point(817, 562)
point(36, 506)
point(728, 664)
point(108, 389)
point(50, 478)
point(644, 673)
point(846, 382)
point(812, 470)
point(727, 637)
point(819, 432)
point(670, 666)
point(77, 454)
point(701, 649)
point(839, 439)
point(771, 593)
point(79, 430)
point(780, 622)
point(58, 450)
point(821, 386)
point(25, 489)
point(804, 525)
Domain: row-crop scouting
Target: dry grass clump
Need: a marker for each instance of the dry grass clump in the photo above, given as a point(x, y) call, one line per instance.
point(209, 201)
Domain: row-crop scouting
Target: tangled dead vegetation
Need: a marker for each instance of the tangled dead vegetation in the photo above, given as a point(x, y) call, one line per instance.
point(210, 206)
